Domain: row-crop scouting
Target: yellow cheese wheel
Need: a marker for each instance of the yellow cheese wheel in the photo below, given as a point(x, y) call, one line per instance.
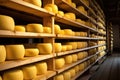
point(81, 66)
point(80, 55)
point(72, 72)
point(0, 78)
point(57, 29)
point(76, 68)
point(77, 33)
point(59, 77)
point(68, 59)
point(62, 32)
point(41, 67)
point(29, 72)
point(59, 63)
point(33, 27)
point(69, 1)
point(2, 53)
point(74, 57)
point(48, 8)
point(79, 45)
point(13, 75)
point(35, 2)
point(7, 23)
point(47, 30)
point(67, 75)
point(61, 13)
point(64, 48)
point(53, 6)
point(31, 52)
point(70, 16)
point(73, 4)
point(69, 47)
point(85, 54)
point(20, 28)
point(68, 32)
point(74, 44)
point(58, 47)
point(45, 48)
point(15, 52)
point(82, 9)
point(79, 20)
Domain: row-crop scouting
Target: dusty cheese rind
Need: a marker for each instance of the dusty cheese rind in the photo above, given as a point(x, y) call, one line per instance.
point(67, 75)
point(2, 53)
point(68, 59)
point(81, 66)
point(31, 52)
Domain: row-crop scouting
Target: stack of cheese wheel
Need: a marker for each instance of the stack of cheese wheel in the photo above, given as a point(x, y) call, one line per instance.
point(13, 75)
point(68, 59)
point(82, 9)
point(67, 75)
point(15, 52)
point(59, 63)
point(57, 47)
point(59, 77)
point(72, 72)
point(81, 66)
point(93, 26)
point(35, 2)
point(101, 53)
point(29, 72)
point(41, 67)
point(74, 57)
point(74, 44)
point(57, 29)
point(71, 16)
point(34, 27)
point(3, 53)
point(44, 48)
point(51, 8)
point(7, 23)
point(47, 30)
point(30, 52)
point(20, 28)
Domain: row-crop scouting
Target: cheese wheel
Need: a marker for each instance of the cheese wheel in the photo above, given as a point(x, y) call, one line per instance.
point(59, 63)
point(61, 13)
point(74, 44)
point(81, 66)
point(67, 75)
point(79, 20)
point(69, 1)
point(79, 45)
point(20, 28)
point(82, 9)
point(33, 27)
point(80, 55)
point(76, 68)
point(31, 52)
point(85, 54)
point(41, 68)
point(2, 53)
point(77, 33)
point(72, 72)
point(7, 23)
point(59, 77)
point(62, 32)
point(73, 5)
point(58, 47)
point(29, 72)
point(48, 8)
point(68, 59)
point(15, 52)
point(53, 6)
point(44, 48)
point(35, 2)
point(74, 57)
point(57, 29)
point(13, 75)
point(68, 32)
point(70, 16)
point(47, 30)
point(64, 48)
point(85, 64)
point(0, 78)
point(69, 47)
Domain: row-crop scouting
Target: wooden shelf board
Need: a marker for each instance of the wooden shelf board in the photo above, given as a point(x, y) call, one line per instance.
point(27, 60)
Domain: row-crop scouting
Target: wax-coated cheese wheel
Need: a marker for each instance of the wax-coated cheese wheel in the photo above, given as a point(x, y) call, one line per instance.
point(62, 32)
point(73, 4)
point(69, 47)
point(59, 77)
point(59, 63)
point(20, 28)
point(68, 59)
point(72, 72)
point(80, 55)
point(77, 33)
point(57, 29)
point(68, 32)
point(45, 48)
point(67, 75)
point(7, 23)
point(82, 9)
point(81, 66)
point(48, 8)
point(31, 52)
point(74, 44)
point(15, 52)
point(54, 8)
point(29, 72)
point(58, 47)
point(85, 54)
point(79, 45)
point(2, 53)
point(74, 57)
point(47, 30)
point(0, 78)
point(61, 13)
point(76, 68)
point(64, 48)
point(35, 2)
point(41, 67)
point(70, 16)
point(38, 28)
point(13, 75)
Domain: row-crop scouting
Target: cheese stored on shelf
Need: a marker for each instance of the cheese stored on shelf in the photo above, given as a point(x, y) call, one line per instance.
point(13, 75)
point(59, 63)
point(44, 48)
point(68, 59)
point(7, 23)
point(80, 55)
point(73, 5)
point(62, 32)
point(59, 77)
point(34, 27)
point(67, 75)
point(41, 67)
point(64, 48)
point(69, 47)
point(81, 66)
point(61, 13)
point(20, 28)
point(57, 47)
point(29, 72)
point(70, 16)
point(74, 57)
point(74, 44)
point(72, 72)
point(2, 53)
point(76, 68)
point(57, 29)
point(47, 30)
point(15, 51)
point(68, 32)
point(31, 52)
point(0, 78)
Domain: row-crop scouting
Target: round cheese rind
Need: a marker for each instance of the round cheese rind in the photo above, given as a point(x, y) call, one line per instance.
point(47, 30)
point(31, 52)
point(2, 53)
point(59, 63)
point(64, 48)
point(61, 13)
point(20, 28)
point(68, 59)
point(67, 75)
point(57, 29)
point(59, 77)
point(58, 47)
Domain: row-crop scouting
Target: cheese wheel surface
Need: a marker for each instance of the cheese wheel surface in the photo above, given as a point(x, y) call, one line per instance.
point(58, 47)
point(74, 57)
point(31, 52)
point(80, 55)
point(69, 47)
point(61, 13)
point(7, 23)
point(73, 4)
point(64, 48)
point(70, 16)
point(67, 75)
point(20, 28)
point(47, 30)
point(76, 68)
point(2, 53)
point(74, 44)
point(81, 66)
point(62, 32)
point(54, 8)
point(57, 29)
point(59, 63)
point(68, 59)
point(59, 77)
point(72, 72)
point(68, 32)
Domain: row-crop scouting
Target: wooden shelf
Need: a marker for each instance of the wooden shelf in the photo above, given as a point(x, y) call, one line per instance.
point(27, 60)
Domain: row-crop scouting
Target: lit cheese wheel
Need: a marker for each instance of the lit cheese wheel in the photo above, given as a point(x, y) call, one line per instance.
point(68, 32)
point(0, 78)
point(15, 52)
point(67, 75)
point(81, 66)
point(62, 32)
point(35, 2)
point(72, 72)
point(80, 55)
point(79, 20)
point(48, 8)
point(70, 16)
point(73, 33)
point(2, 53)
point(13, 75)
point(85, 54)
point(47, 30)
point(69, 1)
point(38, 28)
point(59, 77)
point(20, 28)
point(45, 48)
point(61, 13)
point(68, 59)
point(57, 29)
point(29, 72)
point(58, 47)
point(77, 33)
point(81, 9)
point(64, 48)
point(31, 52)
point(54, 8)
point(74, 57)
point(7, 23)
point(74, 44)
point(76, 68)
point(69, 47)
point(79, 45)
point(59, 63)
point(41, 68)
point(73, 4)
